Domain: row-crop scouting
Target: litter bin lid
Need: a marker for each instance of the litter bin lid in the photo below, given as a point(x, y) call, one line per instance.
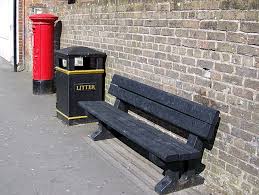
point(80, 52)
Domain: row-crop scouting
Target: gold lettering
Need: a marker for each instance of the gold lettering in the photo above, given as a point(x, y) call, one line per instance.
point(78, 88)
point(85, 87)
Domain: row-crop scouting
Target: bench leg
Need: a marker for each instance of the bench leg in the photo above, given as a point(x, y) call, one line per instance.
point(101, 133)
point(168, 183)
point(195, 167)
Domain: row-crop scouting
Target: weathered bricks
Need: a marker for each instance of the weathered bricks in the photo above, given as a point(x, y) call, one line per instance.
point(246, 72)
point(211, 25)
point(243, 93)
point(248, 50)
point(237, 37)
point(252, 84)
point(228, 47)
point(249, 27)
point(224, 68)
point(205, 64)
point(227, 25)
point(253, 40)
point(184, 24)
point(219, 36)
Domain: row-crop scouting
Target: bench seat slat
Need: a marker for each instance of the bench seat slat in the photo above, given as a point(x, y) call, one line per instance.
point(162, 145)
point(172, 116)
point(162, 137)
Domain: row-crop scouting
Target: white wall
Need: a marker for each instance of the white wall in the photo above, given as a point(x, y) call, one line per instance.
point(6, 29)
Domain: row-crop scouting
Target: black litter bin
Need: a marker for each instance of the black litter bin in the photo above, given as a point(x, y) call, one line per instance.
point(78, 82)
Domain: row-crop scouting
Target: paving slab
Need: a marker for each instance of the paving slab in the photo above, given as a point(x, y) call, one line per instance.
point(40, 155)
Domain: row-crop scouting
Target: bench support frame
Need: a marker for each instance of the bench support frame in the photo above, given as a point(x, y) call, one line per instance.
point(101, 133)
point(168, 183)
point(121, 105)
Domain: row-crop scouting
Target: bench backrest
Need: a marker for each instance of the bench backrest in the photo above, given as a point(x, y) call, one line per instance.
point(189, 116)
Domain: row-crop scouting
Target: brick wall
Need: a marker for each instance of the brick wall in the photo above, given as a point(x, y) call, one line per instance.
point(203, 50)
point(21, 30)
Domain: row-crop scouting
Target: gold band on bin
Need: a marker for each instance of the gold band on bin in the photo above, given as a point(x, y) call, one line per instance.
point(71, 72)
point(70, 118)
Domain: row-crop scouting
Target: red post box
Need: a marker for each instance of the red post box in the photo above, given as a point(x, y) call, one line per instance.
point(43, 52)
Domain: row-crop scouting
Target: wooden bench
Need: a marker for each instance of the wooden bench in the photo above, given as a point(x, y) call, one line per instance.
point(180, 160)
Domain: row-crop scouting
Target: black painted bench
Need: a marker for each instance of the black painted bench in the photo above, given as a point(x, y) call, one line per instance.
point(180, 160)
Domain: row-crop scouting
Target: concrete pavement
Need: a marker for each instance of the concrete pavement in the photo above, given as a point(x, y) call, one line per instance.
point(39, 155)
